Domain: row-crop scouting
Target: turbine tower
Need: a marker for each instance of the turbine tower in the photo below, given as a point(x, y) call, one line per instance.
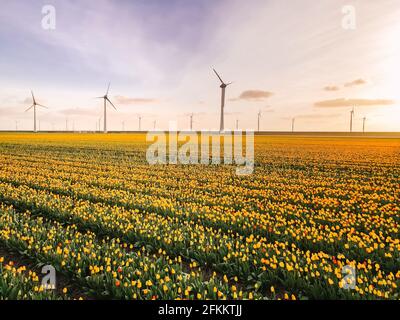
point(237, 124)
point(223, 87)
point(191, 122)
point(293, 121)
point(364, 119)
point(34, 110)
point(351, 119)
point(105, 97)
point(258, 120)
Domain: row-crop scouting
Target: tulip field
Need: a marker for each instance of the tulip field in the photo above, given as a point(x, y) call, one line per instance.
point(115, 227)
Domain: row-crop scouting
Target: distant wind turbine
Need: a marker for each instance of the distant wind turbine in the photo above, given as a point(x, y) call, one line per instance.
point(140, 123)
point(351, 119)
point(258, 120)
point(34, 110)
point(293, 121)
point(364, 119)
point(237, 124)
point(154, 124)
point(106, 99)
point(223, 87)
point(191, 121)
point(16, 125)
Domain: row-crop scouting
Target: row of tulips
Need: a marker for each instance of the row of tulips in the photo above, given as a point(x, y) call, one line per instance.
point(245, 257)
point(313, 232)
point(109, 268)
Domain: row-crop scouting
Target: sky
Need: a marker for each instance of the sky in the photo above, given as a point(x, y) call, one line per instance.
point(300, 59)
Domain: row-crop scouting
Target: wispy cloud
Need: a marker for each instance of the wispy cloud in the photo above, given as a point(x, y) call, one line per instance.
point(352, 102)
point(358, 82)
point(331, 88)
point(253, 95)
point(131, 100)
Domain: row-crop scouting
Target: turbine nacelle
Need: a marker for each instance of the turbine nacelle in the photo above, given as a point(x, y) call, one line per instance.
point(224, 85)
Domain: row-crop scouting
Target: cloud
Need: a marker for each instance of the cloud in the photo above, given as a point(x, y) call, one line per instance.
point(26, 101)
point(331, 88)
point(352, 102)
point(129, 100)
point(253, 95)
point(357, 82)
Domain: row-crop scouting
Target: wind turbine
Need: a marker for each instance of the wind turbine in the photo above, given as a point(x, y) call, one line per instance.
point(237, 124)
point(105, 97)
point(351, 119)
point(364, 119)
point(140, 123)
point(154, 124)
point(16, 125)
point(258, 120)
point(293, 121)
point(123, 125)
point(34, 110)
point(223, 87)
point(191, 121)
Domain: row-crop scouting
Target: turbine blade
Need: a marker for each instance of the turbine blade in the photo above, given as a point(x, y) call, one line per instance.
point(41, 105)
point(33, 97)
point(29, 108)
point(111, 103)
point(228, 84)
point(98, 97)
point(108, 88)
point(218, 76)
